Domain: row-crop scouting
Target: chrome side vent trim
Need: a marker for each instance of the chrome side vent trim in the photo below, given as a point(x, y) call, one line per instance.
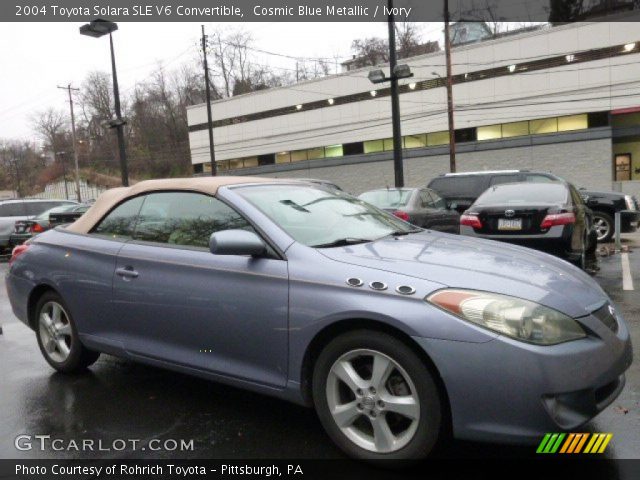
point(378, 286)
point(405, 290)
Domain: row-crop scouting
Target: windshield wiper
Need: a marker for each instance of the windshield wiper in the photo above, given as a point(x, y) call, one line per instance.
point(343, 242)
point(400, 233)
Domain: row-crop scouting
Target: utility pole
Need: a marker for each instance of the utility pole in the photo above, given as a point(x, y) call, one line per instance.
point(452, 129)
point(64, 173)
point(208, 99)
point(68, 88)
point(398, 167)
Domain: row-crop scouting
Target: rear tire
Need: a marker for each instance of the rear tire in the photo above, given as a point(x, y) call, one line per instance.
point(376, 398)
point(604, 226)
point(58, 336)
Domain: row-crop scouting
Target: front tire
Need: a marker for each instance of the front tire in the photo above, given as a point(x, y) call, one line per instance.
point(376, 398)
point(58, 337)
point(603, 225)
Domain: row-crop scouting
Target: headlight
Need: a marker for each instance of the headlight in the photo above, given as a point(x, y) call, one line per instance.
point(514, 317)
point(631, 205)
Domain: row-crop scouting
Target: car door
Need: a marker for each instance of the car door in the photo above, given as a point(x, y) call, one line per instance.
point(448, 220)
point(584, 220)
point(429, 216)
point(175, 301)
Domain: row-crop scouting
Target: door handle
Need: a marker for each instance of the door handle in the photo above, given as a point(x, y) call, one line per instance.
point(126, 272)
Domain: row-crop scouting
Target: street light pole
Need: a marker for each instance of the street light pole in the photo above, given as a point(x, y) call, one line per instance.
point(68, 88)
point(207, 89)
point(398, 167)
point(97, 28)
point(452, 130)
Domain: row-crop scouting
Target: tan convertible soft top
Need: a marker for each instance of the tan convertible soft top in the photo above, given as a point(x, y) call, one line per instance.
point(112, 197)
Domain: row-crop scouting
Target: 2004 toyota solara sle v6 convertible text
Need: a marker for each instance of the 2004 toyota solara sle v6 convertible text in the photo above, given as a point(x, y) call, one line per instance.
point(394, 334)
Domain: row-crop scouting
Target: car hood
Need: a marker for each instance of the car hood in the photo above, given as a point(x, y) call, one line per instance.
point(479, 264)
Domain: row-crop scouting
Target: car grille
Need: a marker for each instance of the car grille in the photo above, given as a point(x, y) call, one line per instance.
point(604, 315)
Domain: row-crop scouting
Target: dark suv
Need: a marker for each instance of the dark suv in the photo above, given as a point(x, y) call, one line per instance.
point(460, 190)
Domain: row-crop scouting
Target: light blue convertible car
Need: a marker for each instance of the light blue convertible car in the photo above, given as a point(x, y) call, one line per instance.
point(392, 333)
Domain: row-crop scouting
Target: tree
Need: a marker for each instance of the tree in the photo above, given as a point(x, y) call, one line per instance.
point(374, 50)
point(51, 125)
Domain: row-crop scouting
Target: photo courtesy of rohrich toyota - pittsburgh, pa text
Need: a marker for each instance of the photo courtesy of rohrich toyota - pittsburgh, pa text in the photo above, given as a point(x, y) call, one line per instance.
point(359, 239)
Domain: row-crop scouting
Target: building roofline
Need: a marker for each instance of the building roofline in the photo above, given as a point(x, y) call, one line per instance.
point(458, 48)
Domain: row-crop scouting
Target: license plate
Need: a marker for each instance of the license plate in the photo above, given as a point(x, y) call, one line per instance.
point(509, 224)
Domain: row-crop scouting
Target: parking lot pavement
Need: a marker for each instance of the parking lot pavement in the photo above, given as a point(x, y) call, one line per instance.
point(118, 399)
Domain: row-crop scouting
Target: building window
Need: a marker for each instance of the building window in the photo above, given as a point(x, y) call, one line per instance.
point(198, 168)
point(572, 122)
point(298, 155)
point(489, 132)
point(466, 135)
point(283, 157)
point(437, 138)
point(315, 153)
point(250, 162)
point(373, 146)
point(235, 163)
point(543, 125)
point(388, 144)
point(598, 119)
point(267, 159)
point(415, 141)
point(333, 151)
point(355, 148)
point(515, 129)
point(221, 166)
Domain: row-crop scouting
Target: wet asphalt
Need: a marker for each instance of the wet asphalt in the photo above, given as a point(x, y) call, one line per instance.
point(118, 399)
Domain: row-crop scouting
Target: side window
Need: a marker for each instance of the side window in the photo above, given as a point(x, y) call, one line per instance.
point(539, 179)
point(10, 210)
point(438, 202)
point(502, 179)
point(120, 222)
point(425, 199)
point(36, 208)
point(185, 218)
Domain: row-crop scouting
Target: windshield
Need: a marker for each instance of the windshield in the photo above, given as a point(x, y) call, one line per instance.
point(391, 198)
point(317, 216)
point(524, 194)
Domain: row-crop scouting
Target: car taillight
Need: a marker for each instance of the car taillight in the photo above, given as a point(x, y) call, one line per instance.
point(402, 215)
point(36, 228)
point(17, 251)
point(554, 219)
point(470, 221)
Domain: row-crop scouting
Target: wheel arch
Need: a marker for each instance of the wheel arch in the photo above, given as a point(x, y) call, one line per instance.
point(324, 336)
point(34, 297)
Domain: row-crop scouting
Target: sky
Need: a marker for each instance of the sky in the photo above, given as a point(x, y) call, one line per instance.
point(35, 58)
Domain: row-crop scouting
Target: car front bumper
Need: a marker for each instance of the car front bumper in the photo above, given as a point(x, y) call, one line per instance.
point(629, 221)
point(509, 391)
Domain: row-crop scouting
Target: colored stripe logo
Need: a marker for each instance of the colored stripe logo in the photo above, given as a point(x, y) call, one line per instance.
point(574, 443)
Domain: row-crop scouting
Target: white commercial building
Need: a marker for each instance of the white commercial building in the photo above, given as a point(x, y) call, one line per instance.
point(564, 99)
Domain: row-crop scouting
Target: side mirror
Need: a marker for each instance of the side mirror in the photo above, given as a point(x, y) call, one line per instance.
point(236, 242)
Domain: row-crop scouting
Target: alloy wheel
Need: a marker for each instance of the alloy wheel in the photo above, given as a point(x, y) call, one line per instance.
point(55, 331)
point(373, 400)
point(602, 227)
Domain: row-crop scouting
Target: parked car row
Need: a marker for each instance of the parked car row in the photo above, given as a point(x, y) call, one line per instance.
point(460, 190)
point(536, 209)
point(26, 229)
point(21, 219)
